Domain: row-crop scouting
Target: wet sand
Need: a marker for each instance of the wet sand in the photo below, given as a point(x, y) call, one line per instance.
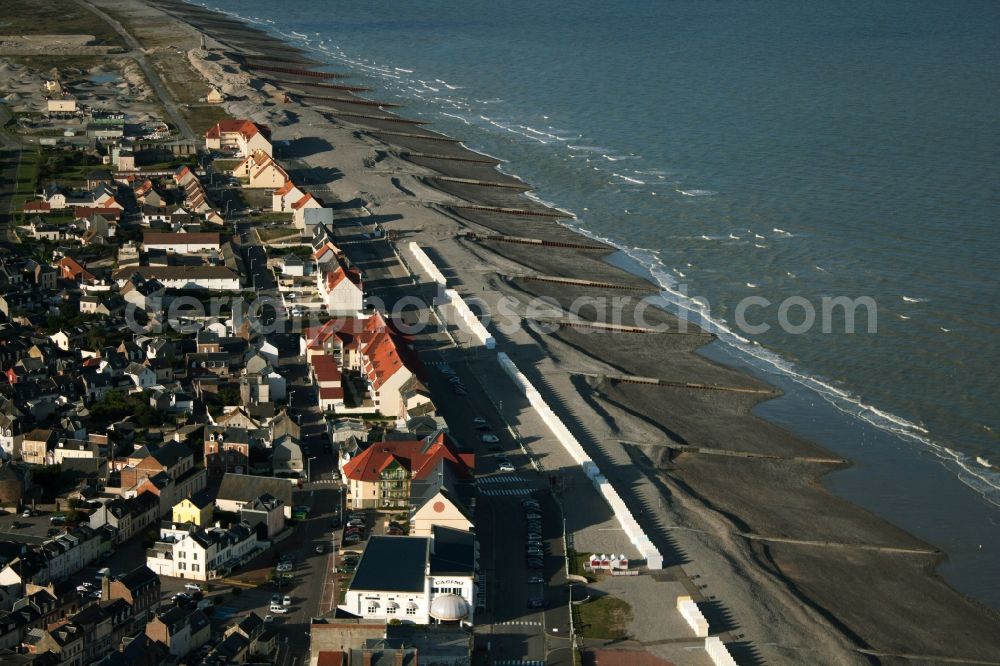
point(802, 576)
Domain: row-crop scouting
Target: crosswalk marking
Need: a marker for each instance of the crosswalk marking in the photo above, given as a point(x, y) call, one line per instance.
point(520, 623)
point(501, 478)
point(518, 662)
point(509, 492)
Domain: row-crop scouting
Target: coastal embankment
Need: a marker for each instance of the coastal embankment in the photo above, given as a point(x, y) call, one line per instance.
point(796, 574)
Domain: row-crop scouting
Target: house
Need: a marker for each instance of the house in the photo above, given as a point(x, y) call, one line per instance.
point(243, 136)
point(181, 243)
point(295, 266)
point(239, 489)
point(37, 447)
point(182, 630)
point(141, 375)
point(299, 208)
point(196, 509)
point(342, 290)
point(283, 197)
point(71, 269)
point(313, 217)
point(228, 449)
point(140, 588)
point(266, 514)
point(202, 554)
point(63, 639)
point(261, 171)
point(380, 476)
point(381, 357)
point(415, 579)
point(286, 457)
point(214, 96)
point(327, 377)
point(436, 502)
point(128, 516)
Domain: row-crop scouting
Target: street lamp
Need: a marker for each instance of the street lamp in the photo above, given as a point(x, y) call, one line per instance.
point(309, 468)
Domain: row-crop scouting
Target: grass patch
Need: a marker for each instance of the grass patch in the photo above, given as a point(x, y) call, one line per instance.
point(203, 116)
point(62, 17)
point(270, 233)
point(226, 165)
point(605, 618)
point(576, 562)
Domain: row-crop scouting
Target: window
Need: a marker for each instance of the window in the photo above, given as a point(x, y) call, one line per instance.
point(410, 610)
point(182, 566)
point(195, 567)
point(194, 556)
point(372, 608)
point(391, 610)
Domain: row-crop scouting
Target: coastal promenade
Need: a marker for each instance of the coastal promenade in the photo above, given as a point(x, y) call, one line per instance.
point(787, 572)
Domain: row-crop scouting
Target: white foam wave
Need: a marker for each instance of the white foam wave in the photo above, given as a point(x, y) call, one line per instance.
point(695, 193)
point(782, 232)
point(912, 300)
point(627, 179)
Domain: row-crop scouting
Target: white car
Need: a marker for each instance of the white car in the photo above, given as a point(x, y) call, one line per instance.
point(268, 619)
point(194, 587)
point(278, 609)
point(284, 566)
point(287, 601)
point(506, 467)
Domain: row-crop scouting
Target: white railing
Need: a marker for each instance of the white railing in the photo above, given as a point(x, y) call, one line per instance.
point(427, 265)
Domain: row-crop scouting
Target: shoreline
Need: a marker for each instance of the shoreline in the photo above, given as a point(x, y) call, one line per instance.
point(681, 472)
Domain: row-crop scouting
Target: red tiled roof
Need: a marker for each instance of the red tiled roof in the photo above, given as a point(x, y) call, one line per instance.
point(335, 277)
point(418, 457)
point(86, 211)
point(37, 207)
point(71, 269)
point(331, 393)
point(325, 367)
point(236, 126)
point(285, 189)
point(303, 201)
point(344, 328)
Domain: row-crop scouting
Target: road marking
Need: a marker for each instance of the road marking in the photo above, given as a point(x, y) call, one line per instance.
point(510, 492)
point(518, 662)
point(501, 478)
point(519, 623)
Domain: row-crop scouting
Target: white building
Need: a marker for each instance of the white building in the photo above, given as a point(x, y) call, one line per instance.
point(417, 580)
point(211, 278)
point(182, 243)
point(201, 554)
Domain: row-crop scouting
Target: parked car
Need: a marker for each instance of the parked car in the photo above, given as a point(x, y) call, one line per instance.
point(275, 599)
point(506, 466)
point(268, 618)
point(284, 566)
point(286, 601)
point(533, 516)
point(278, 608)
point(193, 587)
point(479, 420)
point(320, 549)
point(489, 438)
point(536, 580)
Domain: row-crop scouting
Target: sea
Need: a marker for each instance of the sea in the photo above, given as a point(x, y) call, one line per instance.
point(757, 159)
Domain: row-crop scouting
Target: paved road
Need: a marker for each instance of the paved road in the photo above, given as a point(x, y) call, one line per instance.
point(507, 627)
point(139, 55)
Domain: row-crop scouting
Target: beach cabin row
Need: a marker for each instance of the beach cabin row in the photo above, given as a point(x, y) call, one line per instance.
point(608, 562)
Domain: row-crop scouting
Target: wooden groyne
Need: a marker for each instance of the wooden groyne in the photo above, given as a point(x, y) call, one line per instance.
point(597, 326)
point(534, 241)
point(353, 100)
point(387, 119)
point(411, 135)
point(520, 187)
point(407, 154)
point(838, 544)
point(585, 283)
point(652, 381)
point(294, 71)
point(729, 453)
point(333, 86)
point(519, 212)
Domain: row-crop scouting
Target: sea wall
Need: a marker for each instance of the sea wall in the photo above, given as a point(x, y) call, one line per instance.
point(427, 265)
point(717, 652)
point(466, 319)
point(692, 615)
point(654, 560)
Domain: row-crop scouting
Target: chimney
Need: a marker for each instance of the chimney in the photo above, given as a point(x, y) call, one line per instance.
point(105, 588)
point(366, 658)
point(397, 658)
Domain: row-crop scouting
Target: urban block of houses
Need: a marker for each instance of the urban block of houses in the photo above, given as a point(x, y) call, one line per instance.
point(242, 136)
point(236, 490)
point(209, 278)
point(202, 554)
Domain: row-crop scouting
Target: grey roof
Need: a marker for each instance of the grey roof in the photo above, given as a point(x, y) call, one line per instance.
point(245, 488)
point(454, 551)
point(392, 564)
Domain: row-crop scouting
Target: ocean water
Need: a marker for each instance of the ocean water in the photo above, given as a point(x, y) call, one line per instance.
point(765, 149)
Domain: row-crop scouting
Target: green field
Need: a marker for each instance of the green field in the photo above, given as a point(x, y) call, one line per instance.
point(606, 618)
